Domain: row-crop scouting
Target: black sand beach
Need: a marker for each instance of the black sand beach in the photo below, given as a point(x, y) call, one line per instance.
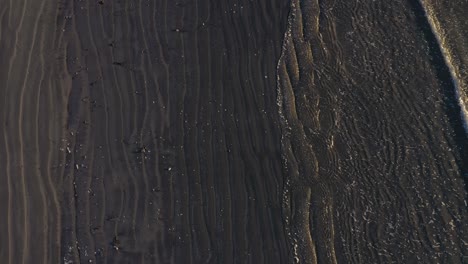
point(233, 131)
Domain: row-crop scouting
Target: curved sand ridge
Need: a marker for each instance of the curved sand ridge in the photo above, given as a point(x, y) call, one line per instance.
point(309, 118)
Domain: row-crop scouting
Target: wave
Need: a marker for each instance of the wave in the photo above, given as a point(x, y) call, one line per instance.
point(453, 63)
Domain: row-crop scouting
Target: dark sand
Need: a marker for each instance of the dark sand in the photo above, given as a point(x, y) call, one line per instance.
point(233, 131)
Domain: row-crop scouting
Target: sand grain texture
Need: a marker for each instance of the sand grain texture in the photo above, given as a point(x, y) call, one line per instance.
point(232, 132)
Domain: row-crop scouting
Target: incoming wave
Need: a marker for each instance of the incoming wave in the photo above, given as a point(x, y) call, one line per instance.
point(453, 64)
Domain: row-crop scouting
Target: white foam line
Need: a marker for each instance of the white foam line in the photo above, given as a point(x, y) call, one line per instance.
point(460, 87)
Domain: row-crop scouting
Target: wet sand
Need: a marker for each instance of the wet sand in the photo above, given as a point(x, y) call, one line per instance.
point(373, 135)
point(233, 132)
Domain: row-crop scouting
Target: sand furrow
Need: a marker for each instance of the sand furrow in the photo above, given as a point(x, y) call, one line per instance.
point(133, 197)
point(116, 180)
point(24, 161)
point(101, 160)
point(194, 50)
point(145, 134)
point(39, 145)
point(9, 222)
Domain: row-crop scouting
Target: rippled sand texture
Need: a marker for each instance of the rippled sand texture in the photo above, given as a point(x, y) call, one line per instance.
point(373, 141)
point(32, 131)
point(141, 132)
point(232, 131)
